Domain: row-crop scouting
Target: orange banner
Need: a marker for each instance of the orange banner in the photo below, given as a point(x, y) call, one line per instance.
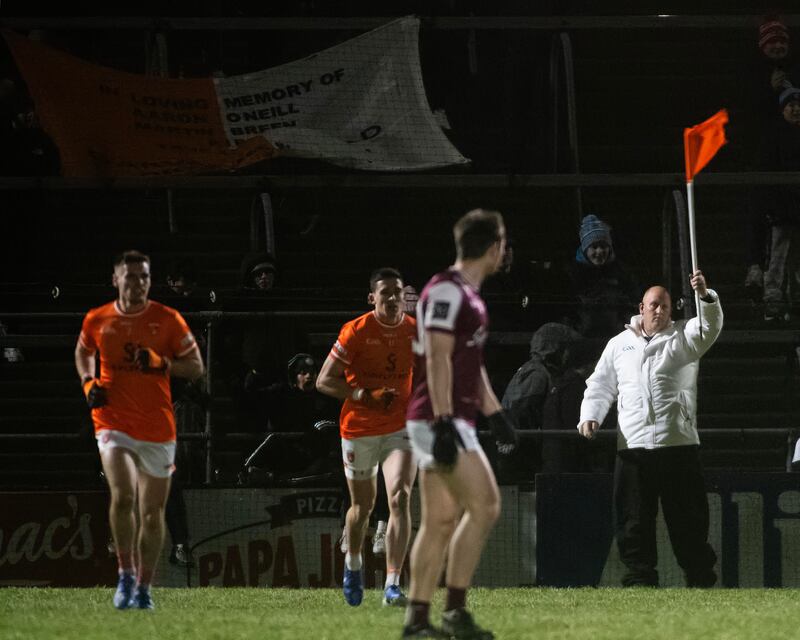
point(701, 143)
point(111, 123)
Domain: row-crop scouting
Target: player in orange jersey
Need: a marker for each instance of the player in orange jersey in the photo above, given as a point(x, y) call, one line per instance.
point(140, 344)
point(369, 368)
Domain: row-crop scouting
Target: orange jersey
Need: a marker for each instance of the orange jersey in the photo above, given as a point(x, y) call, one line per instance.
point(375, 355)
point(140, 404)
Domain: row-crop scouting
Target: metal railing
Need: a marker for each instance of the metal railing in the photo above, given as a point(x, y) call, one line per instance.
point(208, 319)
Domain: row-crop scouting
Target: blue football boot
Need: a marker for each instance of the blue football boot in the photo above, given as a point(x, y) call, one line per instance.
point(394, 597)
point(123, 598)
point(142, 598)
point(353, 587)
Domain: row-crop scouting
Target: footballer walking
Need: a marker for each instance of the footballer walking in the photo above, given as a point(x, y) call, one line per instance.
point(369, 368)
point(140, 344)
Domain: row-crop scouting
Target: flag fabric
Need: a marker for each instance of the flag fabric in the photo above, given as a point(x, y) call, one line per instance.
point(109, 123)
point(360, 104)
point(701, 142)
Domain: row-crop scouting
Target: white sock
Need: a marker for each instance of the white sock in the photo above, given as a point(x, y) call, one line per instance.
point(352, 562)
point(392, 578)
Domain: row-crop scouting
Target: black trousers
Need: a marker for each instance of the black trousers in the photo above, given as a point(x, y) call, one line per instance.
point(675, 476)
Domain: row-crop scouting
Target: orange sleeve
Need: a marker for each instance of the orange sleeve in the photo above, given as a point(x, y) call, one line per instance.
point(181, 339)
point(346, 345)
point(87, 337)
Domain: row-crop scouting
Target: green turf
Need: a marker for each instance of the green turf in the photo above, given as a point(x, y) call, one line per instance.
point(539, 614)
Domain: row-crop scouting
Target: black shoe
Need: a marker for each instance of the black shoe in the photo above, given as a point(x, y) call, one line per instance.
point(459, 625)
point(422, 631)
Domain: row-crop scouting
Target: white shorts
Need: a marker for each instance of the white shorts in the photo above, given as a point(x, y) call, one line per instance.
point(154, 458)
point(361, 456)
point(421, 436)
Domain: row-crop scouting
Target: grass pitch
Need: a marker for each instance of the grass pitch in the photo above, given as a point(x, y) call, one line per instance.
point(266, 614)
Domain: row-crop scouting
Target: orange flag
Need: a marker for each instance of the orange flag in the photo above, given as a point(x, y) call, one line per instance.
point(701, 142)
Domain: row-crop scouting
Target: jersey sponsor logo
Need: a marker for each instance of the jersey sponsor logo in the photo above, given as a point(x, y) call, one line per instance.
point(630, 347)
point(127, 325)
point(373, 341)
point(441, 310)
point(154, 327)
point(108, 330)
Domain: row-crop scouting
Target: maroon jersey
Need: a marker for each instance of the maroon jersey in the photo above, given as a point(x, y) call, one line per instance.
point(450, 304)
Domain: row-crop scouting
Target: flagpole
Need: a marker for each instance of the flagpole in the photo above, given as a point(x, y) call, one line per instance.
point(693, 247)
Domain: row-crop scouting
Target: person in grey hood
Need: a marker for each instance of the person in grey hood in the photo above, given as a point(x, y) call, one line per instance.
point(525, 394)
point(650, 370)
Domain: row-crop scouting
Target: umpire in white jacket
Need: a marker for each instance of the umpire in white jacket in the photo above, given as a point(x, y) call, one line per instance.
point(650, 369)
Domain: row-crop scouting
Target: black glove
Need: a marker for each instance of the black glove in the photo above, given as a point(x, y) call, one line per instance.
point(96, 395)
point(505, 436)
point(446, 440)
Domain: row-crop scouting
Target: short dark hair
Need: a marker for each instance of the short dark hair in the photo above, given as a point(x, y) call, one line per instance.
point(131, 256)
point(476, 231)
point(384, 273)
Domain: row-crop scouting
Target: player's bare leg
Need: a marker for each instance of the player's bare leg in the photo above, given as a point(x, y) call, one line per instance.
point(473, 484)
point(362, 501)
point(153, 493)
point(399, 471)
point(119, 467)
point(440, 514)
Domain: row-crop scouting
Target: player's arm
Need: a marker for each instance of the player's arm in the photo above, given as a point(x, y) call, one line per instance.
point(189, 365)
point(489, 402)
point(85, 365)
point(331, 379)
point(332, 382)
point(84, 362)
point(503, 431)
point(439, 347)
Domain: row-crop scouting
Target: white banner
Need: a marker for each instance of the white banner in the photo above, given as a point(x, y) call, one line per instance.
point(360, 104)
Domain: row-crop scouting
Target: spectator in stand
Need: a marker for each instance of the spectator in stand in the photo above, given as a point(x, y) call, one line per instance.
point(774, 71)
point(254, 349)
point(561, 411)
point(182, 277)
point(524, 397)
point(258, 272)
point(605, 291)
point(781, 204)
point(295, 406)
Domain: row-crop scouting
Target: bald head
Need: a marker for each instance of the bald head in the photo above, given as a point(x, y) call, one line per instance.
point(656, 310)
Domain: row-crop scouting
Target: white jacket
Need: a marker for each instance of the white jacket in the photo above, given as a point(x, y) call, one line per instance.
point(655, 383)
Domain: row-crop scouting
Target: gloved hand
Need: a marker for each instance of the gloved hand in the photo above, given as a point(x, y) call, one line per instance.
point(149, 361)
point(96, 395)
point(375, 398)
point(446, 440)
point(505, 436)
